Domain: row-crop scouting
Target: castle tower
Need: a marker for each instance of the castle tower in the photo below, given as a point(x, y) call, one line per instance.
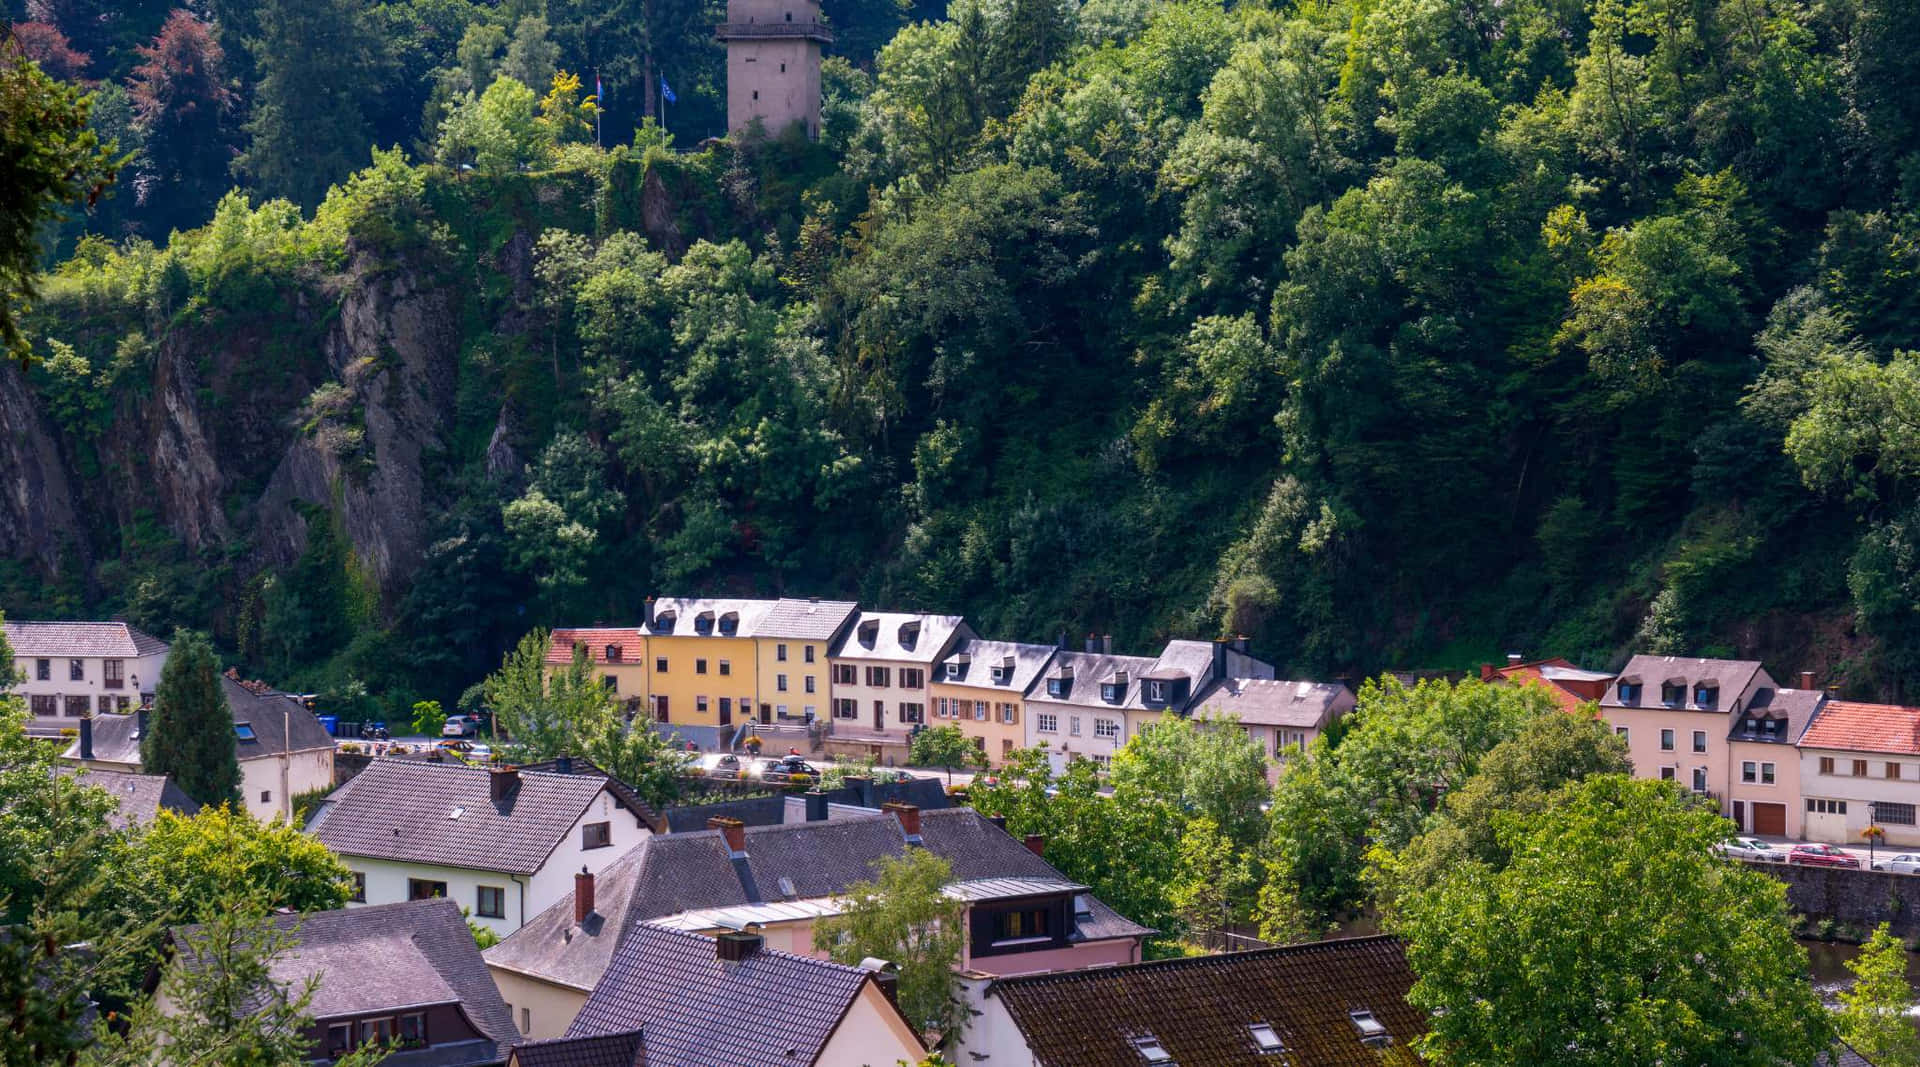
point(773, 64)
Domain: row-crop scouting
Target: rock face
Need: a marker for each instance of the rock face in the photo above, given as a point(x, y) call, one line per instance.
point(37, 513)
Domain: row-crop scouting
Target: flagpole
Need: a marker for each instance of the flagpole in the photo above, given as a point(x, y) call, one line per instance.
point(599, 108)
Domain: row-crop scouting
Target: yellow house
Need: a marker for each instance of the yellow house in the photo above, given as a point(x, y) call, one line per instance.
point(702, 660)
point(619, 656)
point(980, 687)
point(792, 640)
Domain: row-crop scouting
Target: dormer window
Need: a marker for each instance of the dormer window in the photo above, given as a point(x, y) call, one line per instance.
point(869, 633)
point(1155, 691)
point(1266, 1038)
point(909, 635)
point(703, 623)
point(664, 622)
point(1629, 692)
point(730, 623)
point(1151, 1050)
point(613, 653)
point(1057, 687)
point(1706, 696)
point(954, 670)
point(1000, 675)
point(1110, 692)
point(1673, 694)
point(1373, 1033)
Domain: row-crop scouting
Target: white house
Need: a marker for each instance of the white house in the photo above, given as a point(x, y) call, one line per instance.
point(71, 669)
point(881, 667)
point(505, 844)
point(283, 750)
point(1860, 767)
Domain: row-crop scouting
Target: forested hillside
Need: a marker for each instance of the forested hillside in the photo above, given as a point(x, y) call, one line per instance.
point(1388, 332)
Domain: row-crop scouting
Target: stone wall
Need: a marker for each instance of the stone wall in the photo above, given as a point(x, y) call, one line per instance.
point(1859, 897)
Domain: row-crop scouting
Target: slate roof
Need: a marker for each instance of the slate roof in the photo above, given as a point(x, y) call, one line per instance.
point(984, 656)
point(581, 765)
point(1850, 726)
point(1090, 669)
point(1732, 676)
point(631, 644)
point(279, 723)
point(139, 797)
point(1201, 1009)
point(403, 810)
point(772, 1009)
point(666, 875)
point(1793, 708)
point(387, 957)
point(686, 610)
point(80, 640)
point(624, 1049)
point(887, 627)
point(1270, 702)
point(806, 619)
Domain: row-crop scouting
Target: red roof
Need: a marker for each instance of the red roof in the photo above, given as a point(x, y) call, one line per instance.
point(1855, 727)
point(631, 645)
point(1569, 686)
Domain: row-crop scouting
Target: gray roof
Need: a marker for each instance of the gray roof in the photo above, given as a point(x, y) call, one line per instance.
point(623, 1049)
point(1271, 702)
point(1090, 671)
point(82, 640)
point(883, 635)
point(772, 1009)
point(1795, 706)
point(687, 611)
point(138, 797)
point(278, 722)
point(806, 619)
point(388, 957)
point(983, 656)
point(443, 814)
point(669, 874)
point(1730, 676)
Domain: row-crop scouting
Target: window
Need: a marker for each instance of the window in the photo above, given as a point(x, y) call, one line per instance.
point(1155, 691)
point(845, 674)
point(879, 712)
point(76, 670)
point(726, 667)
point(76, 706)
point(114, 673)
point(699, 666)
point(375, 1030)
point(1673, 695)
point(1699, 740)
point(1629, 692)
point(809, 681)
point(413, 1030)
point(491, 902)
point(43, 670)
point(1373, 1033)
point(913, 678)
point(104, 704)
point(659, 664)
point(1266, 1038)
point(1749, 771)
point(783, 68)
point(1073, 725)
point(1893, 770)
point(1666, 740)
point(1668, 774)
point(910, 712)
point(1009, 713)
point(1621, 733)
point(1706, 696)
point(700, 704)
point(1151, 1050)
point(1046, 723)
point(266, 796)
point(1108, 729)
point(1020, 925)
point(423, 889)
point(780, 682)
point(808, 653)
point(1893, 814)
point(1766, 774)
point(46, 706)
point(339, 1039)
point(596, 835)
point(244, 731)
point(756, 92)
point(1056, 687)
point(1826, 764)
point(979, 711)
point(845, 709)
point(610, 683)
point(1699, 779)
point(879, 677)
point(614, 653)
point(526, 1021)
point(780, 653)
point(359, 887)
point(1859, 768)
point(1826, 807)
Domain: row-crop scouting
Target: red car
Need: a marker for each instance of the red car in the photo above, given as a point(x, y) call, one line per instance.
point(1822, 856)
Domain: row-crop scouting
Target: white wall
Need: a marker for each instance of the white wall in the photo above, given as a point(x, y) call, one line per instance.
point(1859, 793)
point(554, 881)
point(281, 779)
point(871, 1034)
point(541, 1010)
point(893, 694)
point(60, 684)
point(387, 884)
point(1063, 741)
point(991, 1039)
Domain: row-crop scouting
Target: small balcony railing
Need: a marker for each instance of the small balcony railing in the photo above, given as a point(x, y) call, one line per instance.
point(811, 31)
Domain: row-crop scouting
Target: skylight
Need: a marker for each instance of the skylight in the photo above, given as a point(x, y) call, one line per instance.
point(243, 731)
point(456, 812)
point(1151, 1050)
point(1373, 1033)
point(1267, 1038)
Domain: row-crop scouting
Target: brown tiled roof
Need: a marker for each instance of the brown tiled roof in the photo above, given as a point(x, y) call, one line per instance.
point(772, 1009)
point(1202, 1010)
point(1854, 727)
point(83, 640)
point(404, 810)
point(625, 1049)
point(806, 620)
point(1270, 702)
point(631, 643)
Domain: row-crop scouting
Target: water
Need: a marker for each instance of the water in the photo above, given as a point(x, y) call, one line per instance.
point(1830, 974)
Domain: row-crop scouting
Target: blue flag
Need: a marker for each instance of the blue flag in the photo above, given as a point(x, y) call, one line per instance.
point(666, 91)
point(599, 94)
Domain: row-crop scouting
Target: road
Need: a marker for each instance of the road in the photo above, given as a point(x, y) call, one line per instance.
point(1879, 853)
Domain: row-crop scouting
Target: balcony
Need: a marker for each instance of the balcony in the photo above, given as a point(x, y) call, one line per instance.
point(744, 31)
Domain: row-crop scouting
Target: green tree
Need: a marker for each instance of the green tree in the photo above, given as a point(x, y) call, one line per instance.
point(635, 755)
point(905, 917)
point(428, 718)
point(1207, 766)
point(496, 131)
point(543, 711)
point(1873, 1013)
point(946, 747)
point(1616, 935)
point(320, 62)
point(180, 864)
point(191, 736)
point(1215, 880)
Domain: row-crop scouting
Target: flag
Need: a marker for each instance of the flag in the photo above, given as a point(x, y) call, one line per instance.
point(666, 92)
point(599, 94)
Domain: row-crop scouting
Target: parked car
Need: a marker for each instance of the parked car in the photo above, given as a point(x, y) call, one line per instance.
point(455, 744)
point(1822, 856)
point(1904, 863)
point(785, 768)
point(460, 726)
point(726, 766)
point(1751, 848)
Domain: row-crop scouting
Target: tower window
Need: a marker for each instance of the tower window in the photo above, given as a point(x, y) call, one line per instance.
point(756, 94)
point(783, 68)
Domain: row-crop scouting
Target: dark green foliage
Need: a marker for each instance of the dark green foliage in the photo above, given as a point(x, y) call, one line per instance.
point(190, 736)
point(320, 63)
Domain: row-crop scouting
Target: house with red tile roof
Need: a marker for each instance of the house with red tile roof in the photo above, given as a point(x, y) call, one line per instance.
point(618, 655)
point(1860, 767)
point(1571, 687)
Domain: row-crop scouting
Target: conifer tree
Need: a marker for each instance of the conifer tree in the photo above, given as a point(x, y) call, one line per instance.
point(191, 736)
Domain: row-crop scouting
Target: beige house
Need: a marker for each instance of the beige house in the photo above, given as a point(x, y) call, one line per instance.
point(1675, 714)
point(1763, 766)
point(1280, 715)
point(773, 64)
point(1087, 704)
point(283, 750)
point(981, 688)
point(1860, 767)
point(880, 671)
point(71, 669)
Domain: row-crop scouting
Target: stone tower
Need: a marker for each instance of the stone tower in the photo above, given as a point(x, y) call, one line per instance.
point(773, 64)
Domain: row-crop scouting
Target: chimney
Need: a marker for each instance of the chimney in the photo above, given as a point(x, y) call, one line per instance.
point(1241, 645)
point(736, 946)
point(1037, 844)
point(998, 820)
point(1093, 642)
point(1061, 641)
point(1486, 672)
point(908, 814)
point(862, 786)
point(816, 805)
point(563, 764)
point(582, 896)
point(86, 737)
point(1515, 659)
point(1106, 644)
point(1806, 680)
point(140, 722)
point(733, 831)
point(886, 979)
point(501, 782)
point(1219, 659)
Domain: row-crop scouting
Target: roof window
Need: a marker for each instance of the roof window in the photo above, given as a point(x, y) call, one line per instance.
point(1266, 1038)
point(730, 623)
point(703, 623)
point(1373, 1033)
point(1151, 1050)
point(244, 731)
point(456, 812)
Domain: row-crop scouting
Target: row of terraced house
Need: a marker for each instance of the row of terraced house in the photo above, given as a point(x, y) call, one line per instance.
point(860, 683)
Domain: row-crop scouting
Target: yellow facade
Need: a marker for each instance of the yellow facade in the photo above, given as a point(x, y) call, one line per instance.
point(619, 653)
point(701, 662)
point(793, 678)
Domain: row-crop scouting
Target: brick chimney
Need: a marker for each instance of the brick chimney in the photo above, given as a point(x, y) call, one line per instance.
point(582, 896)
point(908, 814)
point(816, 805)
point(1806, 679)
point(732, 831)
point(1486, 672)
point(86, 737)
point(736, 946)
point(502, 782)
point(1106, 644)
point(1037, 844)
point(1515, 659)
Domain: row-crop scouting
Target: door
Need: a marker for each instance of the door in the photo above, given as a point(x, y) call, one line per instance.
point(879, 714)
point(1770, 819)
point(726, 711)
point(660, 707)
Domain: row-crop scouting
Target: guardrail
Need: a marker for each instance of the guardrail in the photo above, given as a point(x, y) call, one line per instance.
point(812, 31)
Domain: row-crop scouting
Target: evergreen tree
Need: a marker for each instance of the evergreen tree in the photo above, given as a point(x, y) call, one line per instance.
point(320, 64)
point(191, 735)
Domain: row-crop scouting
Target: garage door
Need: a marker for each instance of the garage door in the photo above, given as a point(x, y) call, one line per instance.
point(1770, 819)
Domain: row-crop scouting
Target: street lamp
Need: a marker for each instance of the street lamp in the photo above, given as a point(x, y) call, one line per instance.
point(1872, 832)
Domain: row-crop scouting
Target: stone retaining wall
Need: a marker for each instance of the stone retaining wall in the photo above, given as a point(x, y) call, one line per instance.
point(1860, 897)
